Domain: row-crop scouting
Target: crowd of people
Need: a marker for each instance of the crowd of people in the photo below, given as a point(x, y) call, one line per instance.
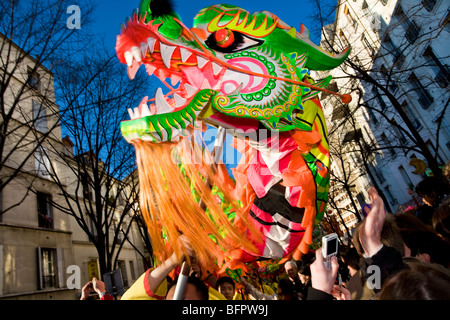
point(391, 257)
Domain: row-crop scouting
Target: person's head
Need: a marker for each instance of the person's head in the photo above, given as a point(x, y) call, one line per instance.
point(195, 290)
point(286, 290)
point(390, 235)
point(304, 273)
point(225, 285)
point(351, 259)
point(421, 281)
point(291, 269)
point(432, 190)
point(441, 219)
point(422, 241)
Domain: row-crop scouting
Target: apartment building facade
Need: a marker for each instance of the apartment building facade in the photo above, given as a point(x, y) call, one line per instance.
point(399, 53)
point(43, 251)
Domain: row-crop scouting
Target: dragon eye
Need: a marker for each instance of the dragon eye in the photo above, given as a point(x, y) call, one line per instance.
point(224, 38)
point(229, 41)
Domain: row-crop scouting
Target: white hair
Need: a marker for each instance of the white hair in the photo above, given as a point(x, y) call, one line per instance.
point(291, 262)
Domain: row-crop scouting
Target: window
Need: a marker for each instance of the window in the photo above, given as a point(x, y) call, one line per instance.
point(352, 20)
point(378, 174)
point(379, 98)
point(44, 208)
point(409, 113)
point(425, 99)
point(344, 39)
point(387, 144)
point(42, 162)
point(48, 268)
point(133, 274)
point(405, 176)
point(87, 193)
point(39, 117)
point(92, 228)
point(372, 115)
point(392, 200)
point(34, 79)
point(386, 74)
point(398, 133)
point(398, 57)
point(428, 4)
point(442, 77)
point(412, 30)
point(367, 45)
point(123, 270)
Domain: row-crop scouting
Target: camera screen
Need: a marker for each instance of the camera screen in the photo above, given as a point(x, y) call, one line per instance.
point(332, 246)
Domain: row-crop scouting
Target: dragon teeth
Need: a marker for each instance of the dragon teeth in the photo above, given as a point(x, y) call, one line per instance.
point(162, 106)
point(151, 44)
point(136, 52)
point(179, 101)
point(201, 62)
point(130, 113)
point(190, 90)
point(150, 69)
point(174, 79)
point(205, 85)
point(216, 68)
point(166, 54)
point(144, 48)
point(129, 58)
point(185, 54)
point(145, 110)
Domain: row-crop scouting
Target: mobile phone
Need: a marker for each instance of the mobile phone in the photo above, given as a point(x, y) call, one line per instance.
point(329, 248)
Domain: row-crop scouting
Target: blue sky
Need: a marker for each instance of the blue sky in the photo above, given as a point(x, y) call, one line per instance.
point(111, 14)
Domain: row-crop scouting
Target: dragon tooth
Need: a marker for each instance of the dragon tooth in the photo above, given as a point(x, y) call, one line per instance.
point(151, 44)
point(162, 106)
point(129, 58)
point(131, 71)
point(201, 62)
point(174, 79)
point(166, 54)
point(130, 113)
point(238, 90)
point(137, 114)
point(136, 52)
point(145, 111)
point(150, 69)
point(179, 101)
point(190, 90)
point(205, 84)
point(185, 54)
point(216, 68)
point(144, 48)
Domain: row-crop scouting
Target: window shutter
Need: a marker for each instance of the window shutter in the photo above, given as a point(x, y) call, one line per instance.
point(40, 279)
point(60, 259)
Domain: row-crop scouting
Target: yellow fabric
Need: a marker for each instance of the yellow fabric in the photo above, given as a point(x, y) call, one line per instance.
point(215, 295)
point(237, 296)
point(137, 290)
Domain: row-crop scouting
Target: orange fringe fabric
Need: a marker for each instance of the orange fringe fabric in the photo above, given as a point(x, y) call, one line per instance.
point(168, 206)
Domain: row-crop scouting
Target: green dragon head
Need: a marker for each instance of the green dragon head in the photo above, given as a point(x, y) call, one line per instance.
point(232, 69)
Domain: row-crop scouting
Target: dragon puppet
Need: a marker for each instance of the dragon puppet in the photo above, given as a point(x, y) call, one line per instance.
point(247, 75)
